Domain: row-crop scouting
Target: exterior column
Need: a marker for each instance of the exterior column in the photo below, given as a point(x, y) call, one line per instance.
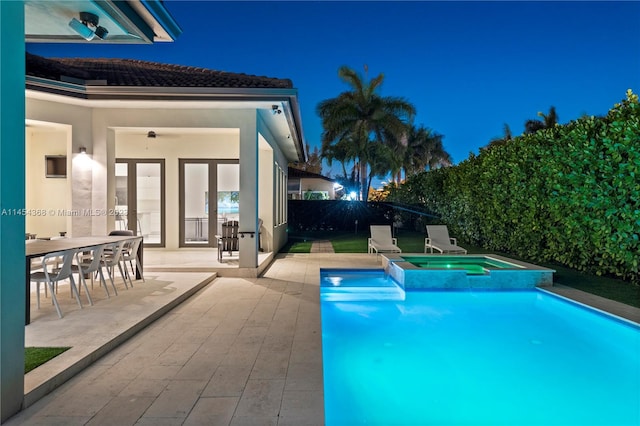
point(81, 177)
point(12, 203)
point(103, 189)
point(249, 190)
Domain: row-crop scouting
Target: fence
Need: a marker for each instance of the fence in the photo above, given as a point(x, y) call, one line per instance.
point(339, 215)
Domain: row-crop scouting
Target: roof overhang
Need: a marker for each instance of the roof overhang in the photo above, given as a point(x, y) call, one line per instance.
point(286, 127)
point(129, 22)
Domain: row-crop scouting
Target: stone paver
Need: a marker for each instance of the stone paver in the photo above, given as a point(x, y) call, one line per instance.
point(322, 246)
point(241, 351)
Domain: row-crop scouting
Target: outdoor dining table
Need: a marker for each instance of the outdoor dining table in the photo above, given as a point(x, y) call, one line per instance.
point(42, 247)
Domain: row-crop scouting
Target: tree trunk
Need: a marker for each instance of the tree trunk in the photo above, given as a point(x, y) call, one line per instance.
point(364, 193)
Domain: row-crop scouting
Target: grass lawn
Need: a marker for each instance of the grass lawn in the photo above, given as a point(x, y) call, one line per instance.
point(413, 242)
point(34, 357)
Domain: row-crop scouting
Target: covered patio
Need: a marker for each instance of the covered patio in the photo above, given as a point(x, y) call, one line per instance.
point(169, 152)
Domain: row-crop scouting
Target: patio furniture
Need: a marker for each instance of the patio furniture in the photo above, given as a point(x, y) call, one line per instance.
point(228, 241)
point(88, 263)
point(121, 233)
point(39, 248)
point(438, 238)
point(111, 258)
point(36, 263)
point(129, 254)
point(50, 276)
point(125, 250)
point(381, 240)
point(128, 250)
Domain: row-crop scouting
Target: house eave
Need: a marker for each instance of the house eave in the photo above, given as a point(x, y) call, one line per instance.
point(101, 95)
point(102, 91)
point(164, 26)
point(128, 22)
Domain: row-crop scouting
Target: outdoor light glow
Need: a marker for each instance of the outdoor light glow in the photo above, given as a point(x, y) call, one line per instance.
point(352, 196)
point(83, 160)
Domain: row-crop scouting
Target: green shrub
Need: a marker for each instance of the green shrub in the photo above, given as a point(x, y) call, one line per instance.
point(569, 194)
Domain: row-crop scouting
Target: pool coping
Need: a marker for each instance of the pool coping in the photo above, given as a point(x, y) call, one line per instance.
point(598, 303)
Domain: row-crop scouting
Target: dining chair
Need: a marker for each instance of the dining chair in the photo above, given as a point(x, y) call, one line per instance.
point(130, 254)
point(36, 263)
point(88, 262)
point(50, 276)
point(121, 232)
point(111, 258)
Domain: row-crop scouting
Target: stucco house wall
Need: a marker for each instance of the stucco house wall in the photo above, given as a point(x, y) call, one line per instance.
point(312, 184)
point(107, 134)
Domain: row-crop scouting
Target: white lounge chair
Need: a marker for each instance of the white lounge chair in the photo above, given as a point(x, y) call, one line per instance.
point(381, 240)
point(438, 239)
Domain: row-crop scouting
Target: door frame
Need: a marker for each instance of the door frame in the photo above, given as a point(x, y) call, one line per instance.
point(213, 199)
point(132, 196)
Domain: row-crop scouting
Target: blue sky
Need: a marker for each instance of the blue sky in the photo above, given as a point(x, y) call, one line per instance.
point(468, 67)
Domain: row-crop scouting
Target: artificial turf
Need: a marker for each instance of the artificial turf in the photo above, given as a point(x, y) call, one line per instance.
point(34, 357)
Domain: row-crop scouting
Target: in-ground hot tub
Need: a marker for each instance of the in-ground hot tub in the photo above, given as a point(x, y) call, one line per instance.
point(437, 271)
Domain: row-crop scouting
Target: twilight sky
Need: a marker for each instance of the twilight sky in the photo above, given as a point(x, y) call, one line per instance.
point(468, 67)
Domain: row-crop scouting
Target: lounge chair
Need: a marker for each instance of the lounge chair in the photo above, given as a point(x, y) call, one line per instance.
point(438, 238)
point(381, 240)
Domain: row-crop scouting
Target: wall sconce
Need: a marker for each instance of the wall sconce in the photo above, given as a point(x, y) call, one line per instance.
point(276, 109)
point(88, 27)
point(82, 150)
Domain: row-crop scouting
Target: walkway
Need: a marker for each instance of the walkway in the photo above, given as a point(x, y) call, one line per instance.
point(322, 246)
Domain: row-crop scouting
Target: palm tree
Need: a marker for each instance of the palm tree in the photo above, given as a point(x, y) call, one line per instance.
point(313, 163)
point(548, 121)
point(392, 157)
point(340, 151)
point(506, 137)
point(424, 150)
point(383, 159)
point(363, 117)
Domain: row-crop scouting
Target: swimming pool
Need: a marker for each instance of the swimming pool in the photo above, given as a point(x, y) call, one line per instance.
point(437, 271)
point(478, 358)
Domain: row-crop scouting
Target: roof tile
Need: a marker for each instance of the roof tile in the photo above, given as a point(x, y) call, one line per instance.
point(133, 72)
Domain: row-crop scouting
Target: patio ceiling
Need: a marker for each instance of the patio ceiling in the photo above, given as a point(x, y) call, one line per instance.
point(131, 22)
point(285, 127)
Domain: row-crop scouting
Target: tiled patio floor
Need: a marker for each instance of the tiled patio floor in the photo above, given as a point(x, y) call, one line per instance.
point(241, 351)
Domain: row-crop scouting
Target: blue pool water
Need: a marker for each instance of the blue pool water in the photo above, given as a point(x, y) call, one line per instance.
point(478, 358)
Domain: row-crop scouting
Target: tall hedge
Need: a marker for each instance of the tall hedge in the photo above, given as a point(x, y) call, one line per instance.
point(570, 194)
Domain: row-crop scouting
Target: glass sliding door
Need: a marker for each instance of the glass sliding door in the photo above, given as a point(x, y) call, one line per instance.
point(122, 195)
point(196, 184)
point(149, 194)
point(140, 186)
point(228, 187)
point(209, 191)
